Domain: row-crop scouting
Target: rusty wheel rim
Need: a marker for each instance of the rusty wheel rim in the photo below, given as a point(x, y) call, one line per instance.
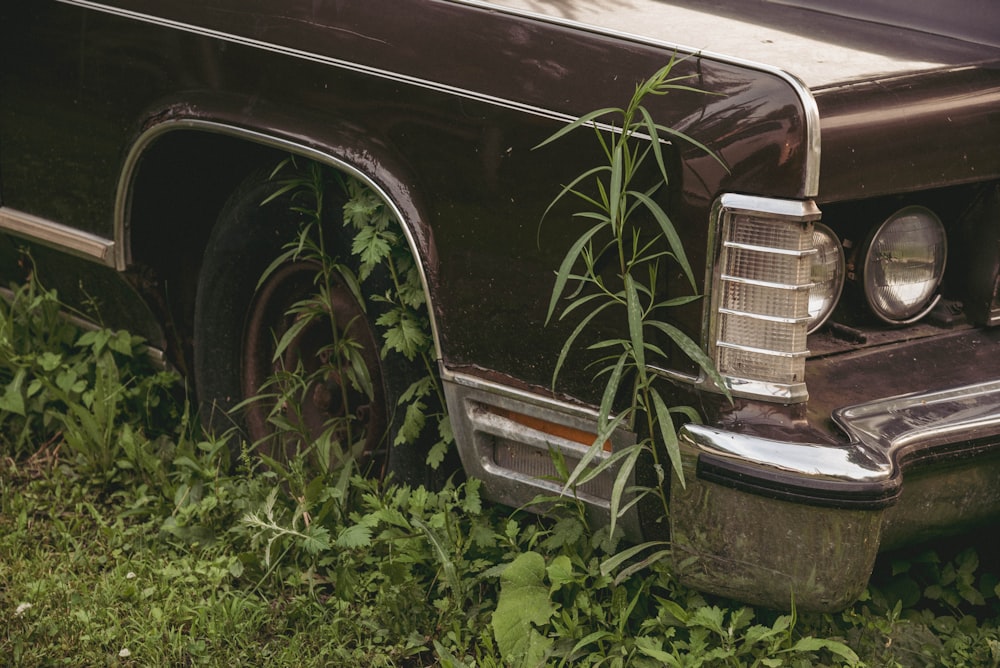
point(329, 400)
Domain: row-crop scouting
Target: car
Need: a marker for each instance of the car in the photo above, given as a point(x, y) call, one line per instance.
point(839, 205)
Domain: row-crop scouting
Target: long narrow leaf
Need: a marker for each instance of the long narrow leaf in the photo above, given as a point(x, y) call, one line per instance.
point(611, 389)
point(622, 478)
point(603, 434)
point(583, 120)
point(610, 564)
point(635, 324)
point(570, 187)
point(670, 233)
point(692, 350)
point(572, 337)
point(567, 264)
point(668, 435)
point(694, 142)
point(615, 188)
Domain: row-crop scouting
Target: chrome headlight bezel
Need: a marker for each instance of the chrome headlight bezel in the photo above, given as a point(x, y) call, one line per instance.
point(911, 240)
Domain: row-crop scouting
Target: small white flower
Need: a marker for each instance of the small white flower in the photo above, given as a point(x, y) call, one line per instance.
point(22, 608)
point(124, 653)
point(130, 575)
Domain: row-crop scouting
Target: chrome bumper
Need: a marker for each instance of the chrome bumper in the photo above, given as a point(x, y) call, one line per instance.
point(774, 522)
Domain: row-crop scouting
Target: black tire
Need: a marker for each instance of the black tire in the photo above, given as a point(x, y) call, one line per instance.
point(235, 325)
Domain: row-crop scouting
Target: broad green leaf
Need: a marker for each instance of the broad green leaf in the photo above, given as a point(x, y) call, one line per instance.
point(653, 648)
point(523, 604)
point(413, 423)
point(12, 400)
point(560, 572)
point(355, 536)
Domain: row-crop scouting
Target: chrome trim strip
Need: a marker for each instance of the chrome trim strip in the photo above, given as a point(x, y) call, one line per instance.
point(764, 284)
point(810, 110)
point(928, 418)
point(761, 351)
point(122, 201)
point(881, 433)
point(586, 415)
point(770, 250)
point(792, 210)
point(761, 316)
point(810, 180)
point(58, 236)
point(334, 62)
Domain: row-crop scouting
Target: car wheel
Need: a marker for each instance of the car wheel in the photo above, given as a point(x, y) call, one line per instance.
point(238, 324)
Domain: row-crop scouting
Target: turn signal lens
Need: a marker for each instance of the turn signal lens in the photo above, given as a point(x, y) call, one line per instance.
point(904, 264)
point(827, 275)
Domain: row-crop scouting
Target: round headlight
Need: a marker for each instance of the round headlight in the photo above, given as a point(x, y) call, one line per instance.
point(827, 273)
point(904, 264)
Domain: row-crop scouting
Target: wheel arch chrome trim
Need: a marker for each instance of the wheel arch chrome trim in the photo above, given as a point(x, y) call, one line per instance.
point(122, 245)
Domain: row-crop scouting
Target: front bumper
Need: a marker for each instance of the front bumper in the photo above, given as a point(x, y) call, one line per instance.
point(774, 523)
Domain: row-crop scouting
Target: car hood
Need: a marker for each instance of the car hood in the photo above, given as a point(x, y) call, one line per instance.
point(821, 42)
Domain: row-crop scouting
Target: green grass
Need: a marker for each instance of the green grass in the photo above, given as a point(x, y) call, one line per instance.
point(128, 538)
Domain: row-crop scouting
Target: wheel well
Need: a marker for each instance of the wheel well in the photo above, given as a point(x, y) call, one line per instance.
point(181, 184)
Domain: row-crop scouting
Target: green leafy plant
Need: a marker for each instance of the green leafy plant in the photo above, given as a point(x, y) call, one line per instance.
point(74, 387)
point(630, 232)
point(376, 240)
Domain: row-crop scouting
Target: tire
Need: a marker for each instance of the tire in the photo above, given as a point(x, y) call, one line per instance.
point(237, 325)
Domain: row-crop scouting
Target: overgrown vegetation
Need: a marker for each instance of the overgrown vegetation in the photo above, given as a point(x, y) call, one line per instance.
point(134, 544)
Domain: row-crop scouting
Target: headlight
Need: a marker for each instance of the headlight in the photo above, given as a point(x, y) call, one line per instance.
point(827, 273)
point(903, 265)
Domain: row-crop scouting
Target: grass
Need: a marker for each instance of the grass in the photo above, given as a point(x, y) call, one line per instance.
point(128, 538)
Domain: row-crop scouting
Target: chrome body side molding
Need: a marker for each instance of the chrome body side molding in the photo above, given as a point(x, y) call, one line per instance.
point(58, 236)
